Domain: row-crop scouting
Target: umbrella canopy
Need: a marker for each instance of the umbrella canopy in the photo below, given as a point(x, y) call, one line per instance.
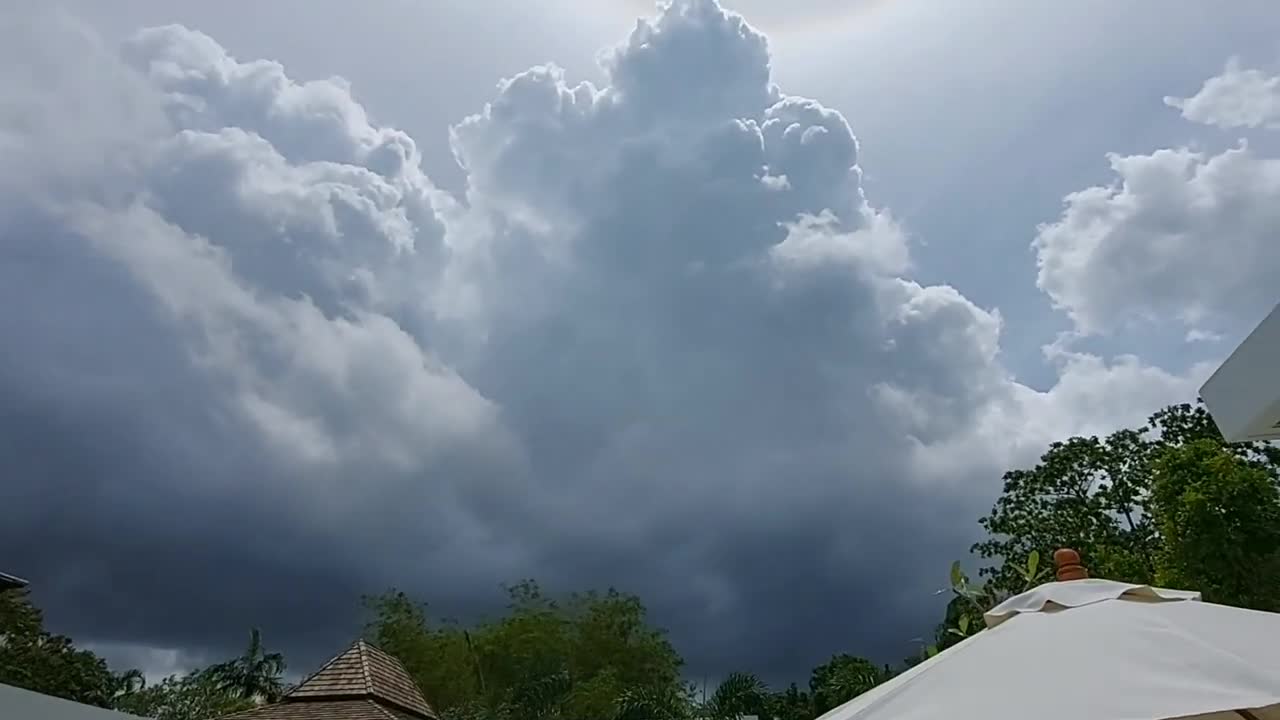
point(1094, 649)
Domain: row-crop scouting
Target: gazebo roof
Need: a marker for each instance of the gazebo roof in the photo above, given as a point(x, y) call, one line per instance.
point(363, 683)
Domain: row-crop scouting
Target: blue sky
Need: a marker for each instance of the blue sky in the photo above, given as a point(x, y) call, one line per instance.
point(675, 330)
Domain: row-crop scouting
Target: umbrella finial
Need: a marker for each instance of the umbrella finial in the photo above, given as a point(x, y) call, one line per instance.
point(1068, 563)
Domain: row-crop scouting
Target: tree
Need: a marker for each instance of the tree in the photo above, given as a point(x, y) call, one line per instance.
point(738, 694)
point(256, 675)
point(648, 703)
point(1084, 494)
point(1169, 502)
point(588, 655)
point(841, 679)
point(790, 704)
point(1218, 516)
point(35, 659)
point(197, 695)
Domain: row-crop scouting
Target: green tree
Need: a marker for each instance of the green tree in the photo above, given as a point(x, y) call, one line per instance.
point(738, 694)
point(1095, 495)
point(257, 675)
point(1218, 516)
point(197, 695)
point(1169, 502)
point(654, 703)
point(35, 659)
point(841, 679)
point(587, 655)
point(1085, 494)
point(790, 704)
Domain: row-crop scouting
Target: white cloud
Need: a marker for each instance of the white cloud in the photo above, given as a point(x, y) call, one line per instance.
point(1238, 98)
point(298, 375)
point(631, 345)
point(50, 95)
point(1178, 236)
point(1091, 397)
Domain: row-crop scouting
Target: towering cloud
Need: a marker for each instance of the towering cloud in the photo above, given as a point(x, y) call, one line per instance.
point(259, 363)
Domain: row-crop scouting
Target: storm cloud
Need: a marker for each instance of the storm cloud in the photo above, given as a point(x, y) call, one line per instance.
point(256, 363)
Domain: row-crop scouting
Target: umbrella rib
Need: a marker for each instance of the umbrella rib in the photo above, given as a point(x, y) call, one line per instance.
point(1246, 714)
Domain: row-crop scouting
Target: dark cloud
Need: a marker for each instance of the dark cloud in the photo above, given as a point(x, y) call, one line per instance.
point(258, 364)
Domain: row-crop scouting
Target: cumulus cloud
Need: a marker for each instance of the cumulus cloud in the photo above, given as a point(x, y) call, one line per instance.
point(664, 341)
point(1238, 98)
point(1179, 236)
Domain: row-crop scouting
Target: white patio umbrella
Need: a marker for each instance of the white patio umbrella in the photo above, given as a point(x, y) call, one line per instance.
point(1097, 650)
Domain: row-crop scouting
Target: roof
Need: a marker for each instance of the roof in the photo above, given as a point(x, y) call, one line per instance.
point(11, 582)
point(323, 710)
point(20, 703)
point(362, 683)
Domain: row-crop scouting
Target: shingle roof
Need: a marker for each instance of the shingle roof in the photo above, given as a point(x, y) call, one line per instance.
point(323, 710)
point(363, 683)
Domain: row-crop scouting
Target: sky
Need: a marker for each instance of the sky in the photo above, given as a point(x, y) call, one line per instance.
point(743, 313)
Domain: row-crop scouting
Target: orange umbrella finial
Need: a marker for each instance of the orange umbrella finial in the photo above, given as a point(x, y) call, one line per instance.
point(1067, 562)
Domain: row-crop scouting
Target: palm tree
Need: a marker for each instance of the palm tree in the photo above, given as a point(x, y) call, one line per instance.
point(644, 703)
point(255, 675)
point(129, 682)
point(841, 679)
point(737, 695)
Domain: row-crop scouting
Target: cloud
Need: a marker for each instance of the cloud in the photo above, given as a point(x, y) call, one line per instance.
point(1178, 236)
point(664, 341)
point(1238, 98)
point(159, 663)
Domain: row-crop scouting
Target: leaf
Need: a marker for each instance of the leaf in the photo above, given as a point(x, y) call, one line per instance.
point(1033, 564)
point(957, 575)
point(964, 625)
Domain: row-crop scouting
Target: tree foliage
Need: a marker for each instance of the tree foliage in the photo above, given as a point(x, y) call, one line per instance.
point(739, 694)
point(790, 704)
point(590, 656)
point(1217, 513)
point(1169, 503)
point(584, 656)
point(198, 695)
point(256, 675)
point(841, 679)
point(1140, 504)
point(35, 659)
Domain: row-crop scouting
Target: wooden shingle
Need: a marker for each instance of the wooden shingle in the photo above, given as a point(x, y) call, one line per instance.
point(322, 710)
point(362, 683)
